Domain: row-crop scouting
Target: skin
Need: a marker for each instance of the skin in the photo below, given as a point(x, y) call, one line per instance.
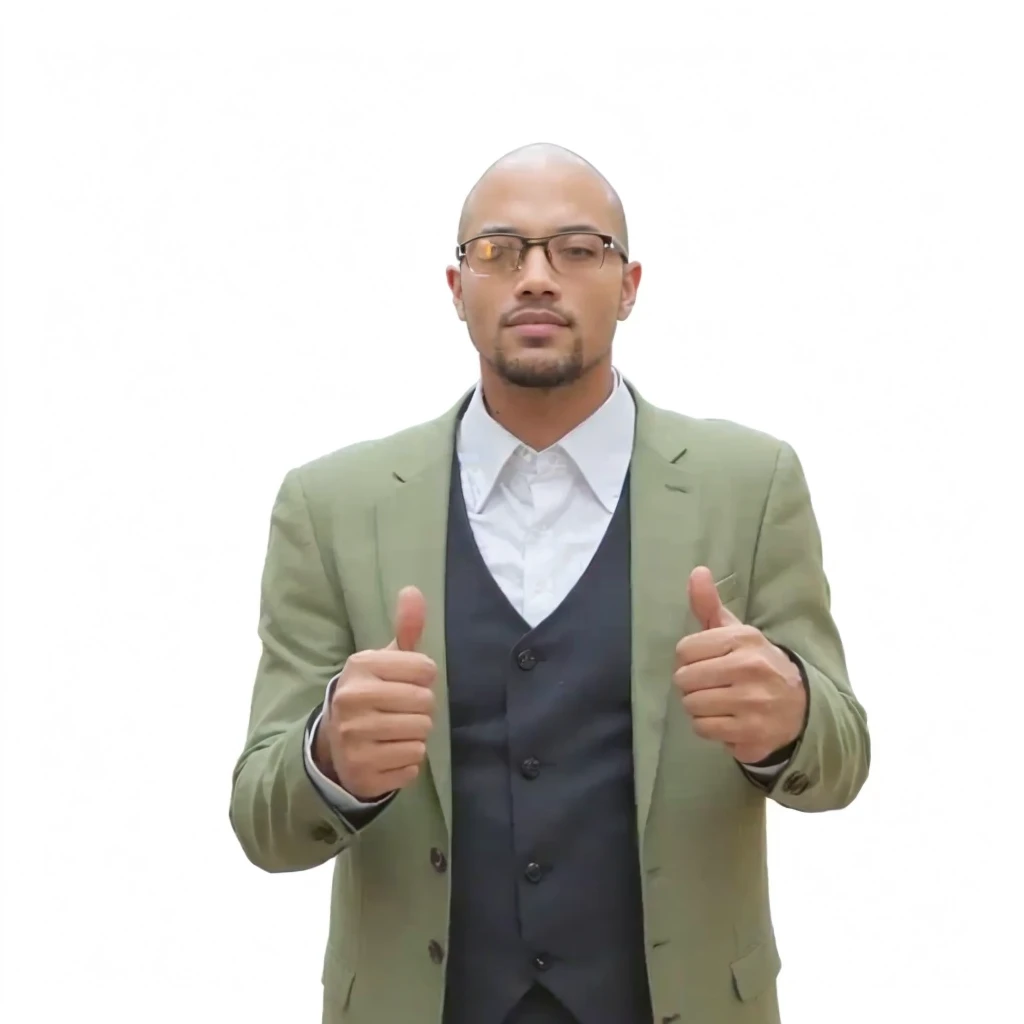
point(738, 688)
point(736, 685)
point(540, 389)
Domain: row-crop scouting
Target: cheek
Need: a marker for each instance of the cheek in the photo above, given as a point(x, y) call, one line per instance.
point(598, 311)
point(482, 307)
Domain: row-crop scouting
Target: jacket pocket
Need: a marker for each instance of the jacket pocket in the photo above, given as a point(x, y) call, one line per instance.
point(728, 587)
point(755, 972)
point(338, 981)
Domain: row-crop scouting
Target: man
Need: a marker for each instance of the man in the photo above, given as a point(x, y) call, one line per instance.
point(571, 645)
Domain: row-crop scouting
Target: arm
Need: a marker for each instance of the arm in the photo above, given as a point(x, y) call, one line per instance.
point(277, 812)
point(790, 604)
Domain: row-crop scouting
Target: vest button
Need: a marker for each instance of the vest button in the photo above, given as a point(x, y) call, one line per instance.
point(530, 768)
point(527, 660)
point(534, 872)
point(438, 861)
point(436, 951)
point(542, 961)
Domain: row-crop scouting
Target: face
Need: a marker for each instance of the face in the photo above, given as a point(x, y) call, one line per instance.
point(501, 305)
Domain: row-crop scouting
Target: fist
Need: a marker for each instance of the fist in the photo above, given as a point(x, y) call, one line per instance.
point(737, 686)
point(374, 734)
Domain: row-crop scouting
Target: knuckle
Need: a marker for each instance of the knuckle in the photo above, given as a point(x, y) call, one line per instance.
point(684, 650)
point(701, 728)
point(753, 662)
point(344, 699)
point(751, 697)
point(359, 660)
point(348, 730)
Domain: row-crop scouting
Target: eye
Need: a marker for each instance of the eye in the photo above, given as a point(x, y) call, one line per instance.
point(580, 248)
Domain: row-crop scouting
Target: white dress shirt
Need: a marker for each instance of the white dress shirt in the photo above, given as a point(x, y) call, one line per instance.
point(537, 517)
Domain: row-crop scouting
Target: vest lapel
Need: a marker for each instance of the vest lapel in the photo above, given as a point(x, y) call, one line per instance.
point(665, 545)
point(412, 522)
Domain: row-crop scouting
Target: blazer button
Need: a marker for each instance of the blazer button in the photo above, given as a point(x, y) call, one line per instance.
point(796, 783)
point(325, 834)
point(436, 951)
point(438, 861)
point(530, 768)
point(534, 872)
point(527, 660)
point(542, 961)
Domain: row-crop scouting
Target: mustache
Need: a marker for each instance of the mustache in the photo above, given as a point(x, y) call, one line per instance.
point(506, 318)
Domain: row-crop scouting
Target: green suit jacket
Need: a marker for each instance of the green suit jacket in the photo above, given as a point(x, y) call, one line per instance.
point(350, 529)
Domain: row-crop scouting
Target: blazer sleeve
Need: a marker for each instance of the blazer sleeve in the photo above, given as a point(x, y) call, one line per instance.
point(278, 814)
point(789, 601)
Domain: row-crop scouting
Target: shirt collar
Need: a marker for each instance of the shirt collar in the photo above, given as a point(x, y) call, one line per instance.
point(600, 447)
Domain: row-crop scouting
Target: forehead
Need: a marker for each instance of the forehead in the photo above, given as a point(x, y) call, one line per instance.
point(540, 200)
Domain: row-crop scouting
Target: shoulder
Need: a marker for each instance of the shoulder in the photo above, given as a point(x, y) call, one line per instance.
point(363, 471)
point(712, 442)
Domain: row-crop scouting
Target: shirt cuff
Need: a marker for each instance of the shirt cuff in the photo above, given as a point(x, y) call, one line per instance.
point(765, 771)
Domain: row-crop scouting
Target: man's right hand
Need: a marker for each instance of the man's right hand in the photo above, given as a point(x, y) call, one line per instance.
point(375, 730)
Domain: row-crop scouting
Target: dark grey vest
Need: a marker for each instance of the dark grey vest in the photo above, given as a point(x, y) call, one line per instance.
point(545, 877)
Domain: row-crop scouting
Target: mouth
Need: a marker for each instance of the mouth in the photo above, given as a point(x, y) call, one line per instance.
point(536, 330)
point(538, 324)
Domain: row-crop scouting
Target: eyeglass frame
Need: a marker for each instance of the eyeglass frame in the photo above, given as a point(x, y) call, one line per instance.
point(611, 243)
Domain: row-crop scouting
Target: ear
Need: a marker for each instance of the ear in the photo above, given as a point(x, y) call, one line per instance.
point(454, 276)
point(630, 283)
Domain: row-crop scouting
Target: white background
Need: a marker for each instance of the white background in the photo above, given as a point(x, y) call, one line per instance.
point(225, 227)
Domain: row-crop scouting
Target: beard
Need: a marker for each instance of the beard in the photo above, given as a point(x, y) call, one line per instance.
point(541, 368)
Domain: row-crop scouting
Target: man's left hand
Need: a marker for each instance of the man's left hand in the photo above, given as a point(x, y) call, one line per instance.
point(736, 685)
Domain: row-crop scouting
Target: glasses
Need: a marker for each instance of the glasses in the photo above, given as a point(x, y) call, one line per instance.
point(568, 253)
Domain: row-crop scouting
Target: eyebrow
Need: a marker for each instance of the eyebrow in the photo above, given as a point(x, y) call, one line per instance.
point(508, 229)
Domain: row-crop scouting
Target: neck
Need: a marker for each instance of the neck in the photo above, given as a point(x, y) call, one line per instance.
point(541, 417)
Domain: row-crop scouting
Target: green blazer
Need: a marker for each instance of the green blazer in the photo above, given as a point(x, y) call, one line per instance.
point(352, 528)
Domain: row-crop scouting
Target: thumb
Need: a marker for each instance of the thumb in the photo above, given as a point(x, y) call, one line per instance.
point(410, 616)
point(705, 603)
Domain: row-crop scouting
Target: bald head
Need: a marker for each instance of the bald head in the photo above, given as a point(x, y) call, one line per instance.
point(536, 162)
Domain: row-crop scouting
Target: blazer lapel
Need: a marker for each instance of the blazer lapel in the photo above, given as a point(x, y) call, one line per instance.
point(412, 526)
point(664, 547)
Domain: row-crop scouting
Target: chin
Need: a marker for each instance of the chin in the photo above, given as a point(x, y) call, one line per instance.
point(551, 370)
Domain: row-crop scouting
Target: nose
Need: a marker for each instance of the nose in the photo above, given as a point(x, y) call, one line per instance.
point(535, 277)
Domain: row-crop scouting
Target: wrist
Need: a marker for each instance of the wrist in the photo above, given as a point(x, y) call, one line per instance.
point(322, 753)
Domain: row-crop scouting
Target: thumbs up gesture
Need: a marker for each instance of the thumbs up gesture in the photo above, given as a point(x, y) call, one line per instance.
point(375, 731)
point(737, 686)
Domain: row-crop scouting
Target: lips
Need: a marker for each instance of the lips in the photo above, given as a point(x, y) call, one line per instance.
point(536, 316)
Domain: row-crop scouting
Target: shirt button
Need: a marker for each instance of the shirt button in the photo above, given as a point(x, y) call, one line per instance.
point(542, 961)
point(530, 768)
point(534, 872)
point(527, 660)
point(438, 861)
point(436, 951)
